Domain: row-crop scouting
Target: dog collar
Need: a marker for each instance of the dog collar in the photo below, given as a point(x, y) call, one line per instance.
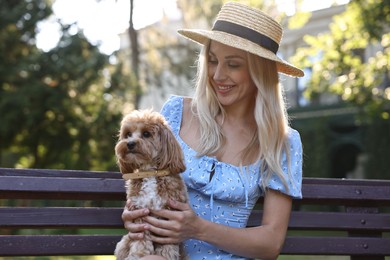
point(146, 174)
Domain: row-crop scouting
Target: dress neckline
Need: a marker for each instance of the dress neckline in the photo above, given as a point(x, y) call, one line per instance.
point(206, 157)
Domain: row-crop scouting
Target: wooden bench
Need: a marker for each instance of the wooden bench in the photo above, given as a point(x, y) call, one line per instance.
point(61, 212)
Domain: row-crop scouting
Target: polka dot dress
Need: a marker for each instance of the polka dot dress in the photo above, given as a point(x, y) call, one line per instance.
point(224, 193)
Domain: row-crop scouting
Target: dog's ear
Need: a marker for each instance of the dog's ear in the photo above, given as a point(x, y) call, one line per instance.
point(120, 153)
point(171, 154)
point(125, 167)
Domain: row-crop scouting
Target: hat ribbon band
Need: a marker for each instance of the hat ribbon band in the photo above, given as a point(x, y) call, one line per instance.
point(246, 33)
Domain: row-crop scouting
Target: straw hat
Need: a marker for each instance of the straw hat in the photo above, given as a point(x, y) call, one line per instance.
point(248, 29)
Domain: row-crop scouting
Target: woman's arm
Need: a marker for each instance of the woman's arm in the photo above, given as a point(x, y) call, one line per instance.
point(263, 242)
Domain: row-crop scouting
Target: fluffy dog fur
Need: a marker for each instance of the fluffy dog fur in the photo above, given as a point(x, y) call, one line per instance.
point(146, 143)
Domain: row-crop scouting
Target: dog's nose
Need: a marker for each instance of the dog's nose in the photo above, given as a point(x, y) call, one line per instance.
point(131, 145)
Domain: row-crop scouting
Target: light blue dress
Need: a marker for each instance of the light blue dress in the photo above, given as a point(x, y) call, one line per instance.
point(229, 195)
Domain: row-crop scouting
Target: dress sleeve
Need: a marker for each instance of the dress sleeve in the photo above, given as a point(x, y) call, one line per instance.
point(294, 178)
point(172, 112)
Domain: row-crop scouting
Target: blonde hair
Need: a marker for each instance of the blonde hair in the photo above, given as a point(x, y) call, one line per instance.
point(270, 139)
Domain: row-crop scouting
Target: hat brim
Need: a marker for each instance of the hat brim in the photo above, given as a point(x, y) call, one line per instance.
point(202, 36)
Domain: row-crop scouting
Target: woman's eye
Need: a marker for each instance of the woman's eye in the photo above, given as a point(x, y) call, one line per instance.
point(211, 59)
point(233, 65)
point(146, 134)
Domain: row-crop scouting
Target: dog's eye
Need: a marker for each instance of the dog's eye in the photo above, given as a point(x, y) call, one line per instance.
point(128, 135)
point(146, 134)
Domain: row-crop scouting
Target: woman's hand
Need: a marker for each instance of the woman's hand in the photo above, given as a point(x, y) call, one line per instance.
point(175, 225)
point(136, 231)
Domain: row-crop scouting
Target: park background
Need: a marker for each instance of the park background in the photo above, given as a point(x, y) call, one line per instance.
point(64, 90)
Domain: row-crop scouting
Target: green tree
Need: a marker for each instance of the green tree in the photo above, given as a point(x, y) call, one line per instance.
point(207, 10)
point(17, 51)
point(61, 108)
point(341, 65)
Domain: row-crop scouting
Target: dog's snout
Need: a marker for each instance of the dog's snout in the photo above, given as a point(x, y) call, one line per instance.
point(131, 145)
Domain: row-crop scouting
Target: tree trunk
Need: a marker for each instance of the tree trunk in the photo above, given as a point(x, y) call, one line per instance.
point(133, 35)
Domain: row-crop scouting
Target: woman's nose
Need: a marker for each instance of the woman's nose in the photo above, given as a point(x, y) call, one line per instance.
point(219, 73)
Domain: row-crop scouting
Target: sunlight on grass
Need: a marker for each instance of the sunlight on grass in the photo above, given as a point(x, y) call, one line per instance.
point(312, 257)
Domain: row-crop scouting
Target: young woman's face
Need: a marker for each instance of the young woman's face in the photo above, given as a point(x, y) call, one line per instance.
point(229, 75)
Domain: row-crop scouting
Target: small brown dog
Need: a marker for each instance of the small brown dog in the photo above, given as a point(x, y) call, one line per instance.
point(151, 160)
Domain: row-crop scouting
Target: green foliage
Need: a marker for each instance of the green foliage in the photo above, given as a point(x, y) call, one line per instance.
point(315, 142)
point(299, 19)
point(378, 149)
point(376, 14)
point(352, 61)
point(61, 108)
point(208, 10)
point(193, 10)
point(338, 60)
point(17, 50)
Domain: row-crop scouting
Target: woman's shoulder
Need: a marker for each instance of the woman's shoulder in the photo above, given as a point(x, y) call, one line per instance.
point(177, 105)
point(174, 109)
point(293, 135)
point(175, 102)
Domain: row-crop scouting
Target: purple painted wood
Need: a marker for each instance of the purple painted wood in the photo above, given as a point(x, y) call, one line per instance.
point(105, 244)
point(336, 246)
point(59, 173)
point(28, 217)
point(61, 188)
point(332, 221)
point(55, 245)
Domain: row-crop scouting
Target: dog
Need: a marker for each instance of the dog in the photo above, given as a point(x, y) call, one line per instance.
point(150, 157)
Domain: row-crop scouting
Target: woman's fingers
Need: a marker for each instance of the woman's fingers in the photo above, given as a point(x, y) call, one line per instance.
point(177, 211)
point(162, 235)
point(164, 240)
point(180, 206)
point(136, 230)
point(131, 215)
point(165, 226)
point(171, 226)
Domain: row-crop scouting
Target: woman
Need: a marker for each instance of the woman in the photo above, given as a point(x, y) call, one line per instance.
point(237, 145)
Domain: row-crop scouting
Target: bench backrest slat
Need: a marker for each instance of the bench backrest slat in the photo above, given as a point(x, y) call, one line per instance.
point(55, 245)
point(61, 188)
point(111, 218)
point(58, 173)
point(27, 217)
point(336, 246)
point(105, 244)
point(332, 221)
point(363, 194)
